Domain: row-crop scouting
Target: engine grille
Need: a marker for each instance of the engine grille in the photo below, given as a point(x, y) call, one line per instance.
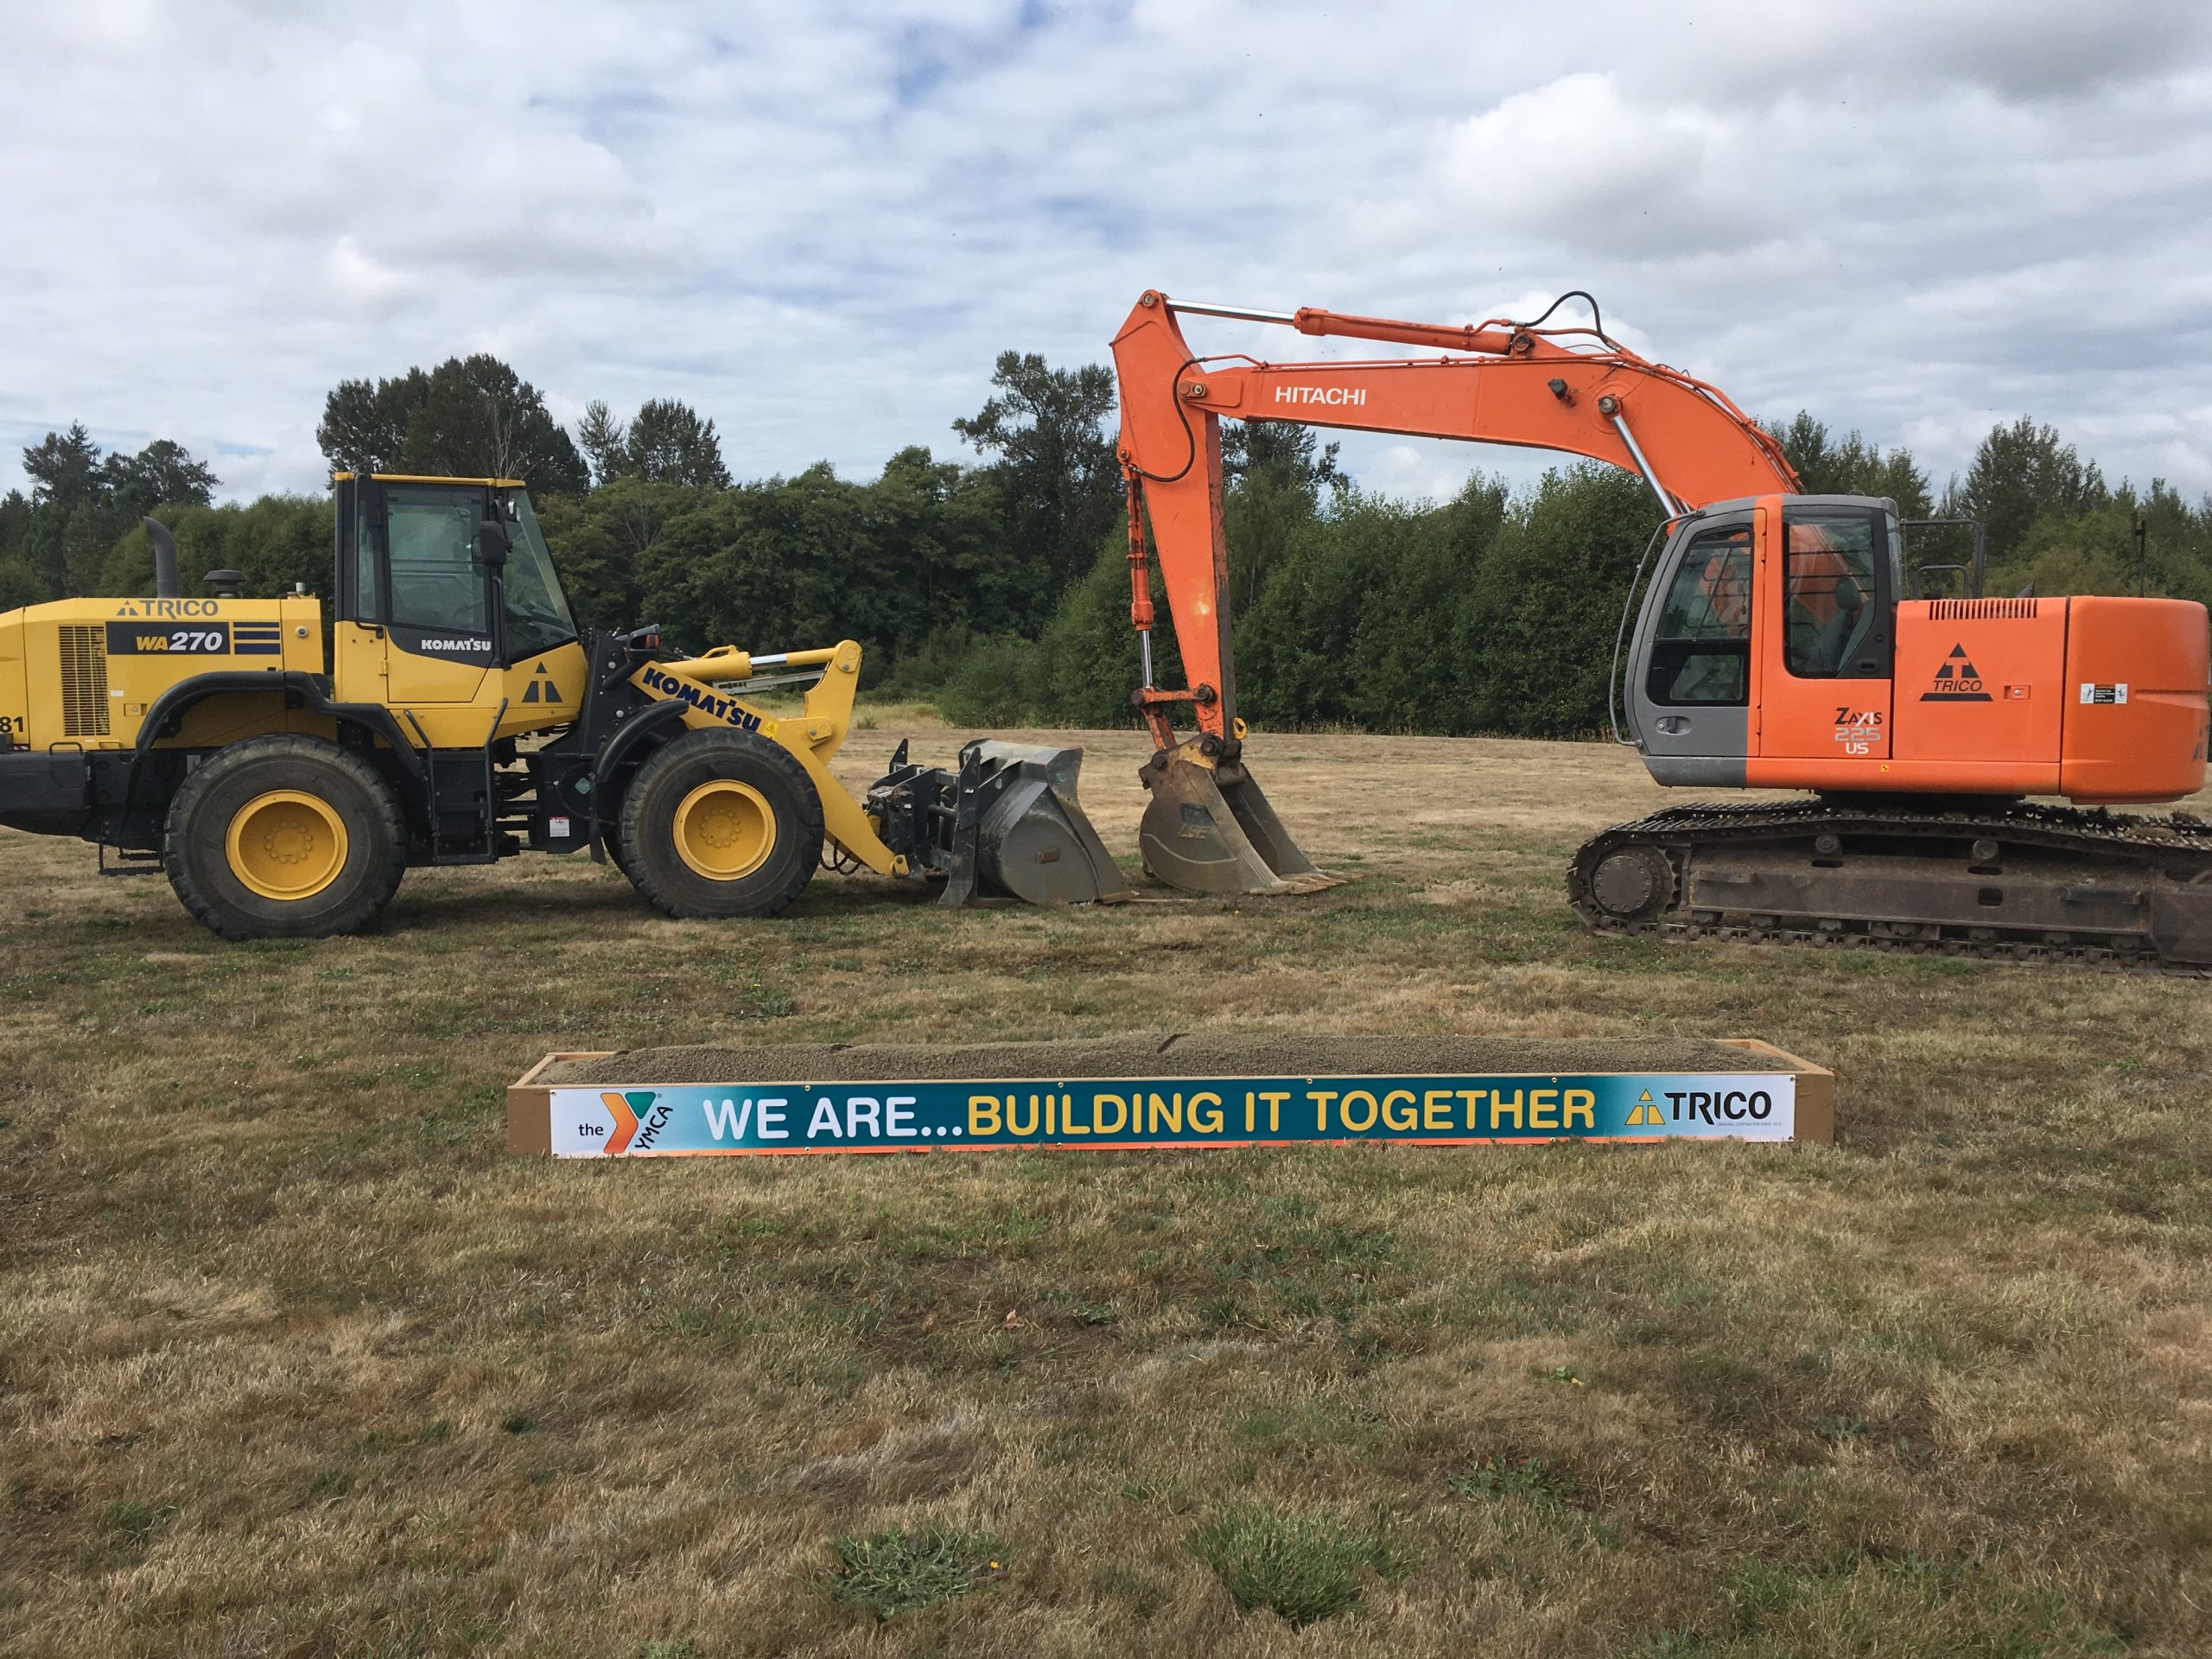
point(83, 682)
point(1981, 610)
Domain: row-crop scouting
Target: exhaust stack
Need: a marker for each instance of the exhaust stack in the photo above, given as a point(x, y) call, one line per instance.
point(166, 583)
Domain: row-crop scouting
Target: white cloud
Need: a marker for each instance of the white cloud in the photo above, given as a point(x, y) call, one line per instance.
point(819, 225)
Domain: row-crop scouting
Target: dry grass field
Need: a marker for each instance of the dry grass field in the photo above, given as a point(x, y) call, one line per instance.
point(295, 1360)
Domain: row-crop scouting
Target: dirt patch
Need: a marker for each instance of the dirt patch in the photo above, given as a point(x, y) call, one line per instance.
point(1230, 1054)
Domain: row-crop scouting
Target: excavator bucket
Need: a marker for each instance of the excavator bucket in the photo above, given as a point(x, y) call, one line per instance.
point(1006, 826)
point(1210, 829)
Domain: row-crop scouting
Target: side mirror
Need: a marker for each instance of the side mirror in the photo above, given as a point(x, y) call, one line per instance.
point(491, 543)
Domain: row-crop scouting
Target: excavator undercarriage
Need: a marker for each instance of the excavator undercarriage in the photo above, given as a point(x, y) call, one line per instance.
point(1964, 877)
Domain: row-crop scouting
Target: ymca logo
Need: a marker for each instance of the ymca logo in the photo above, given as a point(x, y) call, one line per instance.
point(1957, 680)
point(636, 1119)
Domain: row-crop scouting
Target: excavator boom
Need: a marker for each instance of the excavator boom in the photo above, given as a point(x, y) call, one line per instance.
point(1210, 828)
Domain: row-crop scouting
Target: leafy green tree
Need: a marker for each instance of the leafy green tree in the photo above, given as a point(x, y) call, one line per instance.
point(1290, 454)
point(600, 543)
point(469, 417)
point(277, 542)
point(1058, 475)
point(1854, 466)
point(668, 443)
point(480, 419)
point(1547, 600)
point(80, 501)
point(163, 472)
point(364, 422)
point(20, 585)
point(2021, 473)
point(15, 524)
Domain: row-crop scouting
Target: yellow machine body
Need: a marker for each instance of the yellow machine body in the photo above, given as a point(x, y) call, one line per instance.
point(283, 767)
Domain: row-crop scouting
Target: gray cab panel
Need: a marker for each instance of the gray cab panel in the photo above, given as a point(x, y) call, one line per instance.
point(1688, 689)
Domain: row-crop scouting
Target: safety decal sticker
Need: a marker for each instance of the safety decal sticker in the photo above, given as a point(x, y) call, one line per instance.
point(2116, 693)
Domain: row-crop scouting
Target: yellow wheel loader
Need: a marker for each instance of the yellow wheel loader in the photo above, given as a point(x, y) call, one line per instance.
point(284, 774)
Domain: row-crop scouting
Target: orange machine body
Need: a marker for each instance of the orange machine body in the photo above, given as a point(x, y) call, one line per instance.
point(2100, 700)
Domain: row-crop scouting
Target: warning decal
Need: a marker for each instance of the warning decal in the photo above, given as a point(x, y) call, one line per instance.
point(1957, 681)
point(2116, 693)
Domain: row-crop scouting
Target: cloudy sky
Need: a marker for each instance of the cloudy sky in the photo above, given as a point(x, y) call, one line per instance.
point(818, 224)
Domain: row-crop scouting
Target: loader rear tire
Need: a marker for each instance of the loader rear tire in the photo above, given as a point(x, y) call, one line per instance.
point(722, 824)
point(284, 838)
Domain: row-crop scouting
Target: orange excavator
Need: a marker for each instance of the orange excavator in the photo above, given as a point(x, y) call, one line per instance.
point(1776, 646)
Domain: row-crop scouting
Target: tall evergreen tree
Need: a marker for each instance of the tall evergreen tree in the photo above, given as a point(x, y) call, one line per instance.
point(604, 441)
point(64, 470)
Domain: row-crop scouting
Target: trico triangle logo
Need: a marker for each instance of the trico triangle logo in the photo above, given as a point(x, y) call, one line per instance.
point(541, 687)
point(1645, 1112)
point(1957, 680)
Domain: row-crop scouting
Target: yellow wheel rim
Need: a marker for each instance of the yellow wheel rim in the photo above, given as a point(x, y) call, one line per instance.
point(725, 830)
point(286, 845)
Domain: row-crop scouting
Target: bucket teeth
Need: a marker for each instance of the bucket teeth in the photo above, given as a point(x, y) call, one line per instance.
point(1210, 829)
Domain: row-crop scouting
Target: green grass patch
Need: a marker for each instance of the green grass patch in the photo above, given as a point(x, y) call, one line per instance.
point(897, 1572)
point(1303, 1565)
point(1529, 1480)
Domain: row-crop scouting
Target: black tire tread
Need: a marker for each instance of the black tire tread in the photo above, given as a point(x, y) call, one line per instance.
point(639, 840)
point(372, 892)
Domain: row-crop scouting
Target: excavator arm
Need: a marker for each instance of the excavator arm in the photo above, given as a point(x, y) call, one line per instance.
point(1568, 389)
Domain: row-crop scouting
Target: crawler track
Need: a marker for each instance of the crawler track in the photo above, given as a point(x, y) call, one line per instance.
point(2005, 883)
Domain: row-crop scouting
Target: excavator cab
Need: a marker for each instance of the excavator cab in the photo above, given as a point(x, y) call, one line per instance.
point(1811, 582)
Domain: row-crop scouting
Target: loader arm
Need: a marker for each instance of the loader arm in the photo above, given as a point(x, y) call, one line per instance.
point(1572, 389)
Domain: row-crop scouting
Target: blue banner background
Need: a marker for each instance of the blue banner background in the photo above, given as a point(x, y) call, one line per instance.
point(1103, 1114)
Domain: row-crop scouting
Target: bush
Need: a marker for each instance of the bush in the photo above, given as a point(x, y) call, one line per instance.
point(994, 683)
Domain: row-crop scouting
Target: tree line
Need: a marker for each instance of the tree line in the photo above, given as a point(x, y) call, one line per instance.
point(996, 582)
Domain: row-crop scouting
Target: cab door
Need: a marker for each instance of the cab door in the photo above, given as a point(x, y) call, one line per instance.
point(439, 611)
point(1689, 680)
point(1826, 666)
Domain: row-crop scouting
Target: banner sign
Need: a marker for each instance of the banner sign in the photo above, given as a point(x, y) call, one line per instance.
point(1118, 1114)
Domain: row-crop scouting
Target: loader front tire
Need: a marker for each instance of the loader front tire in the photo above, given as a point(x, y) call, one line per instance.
point(283, 837)
point(720, 823)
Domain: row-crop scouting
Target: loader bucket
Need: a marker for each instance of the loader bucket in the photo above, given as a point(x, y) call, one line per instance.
point(1210, 829)
point(1020, 833)
point(1006, 826)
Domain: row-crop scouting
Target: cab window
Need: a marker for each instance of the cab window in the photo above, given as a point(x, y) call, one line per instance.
point(1702, 650)
point(430, 543)
point(1834, 594)
point(536, 615)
